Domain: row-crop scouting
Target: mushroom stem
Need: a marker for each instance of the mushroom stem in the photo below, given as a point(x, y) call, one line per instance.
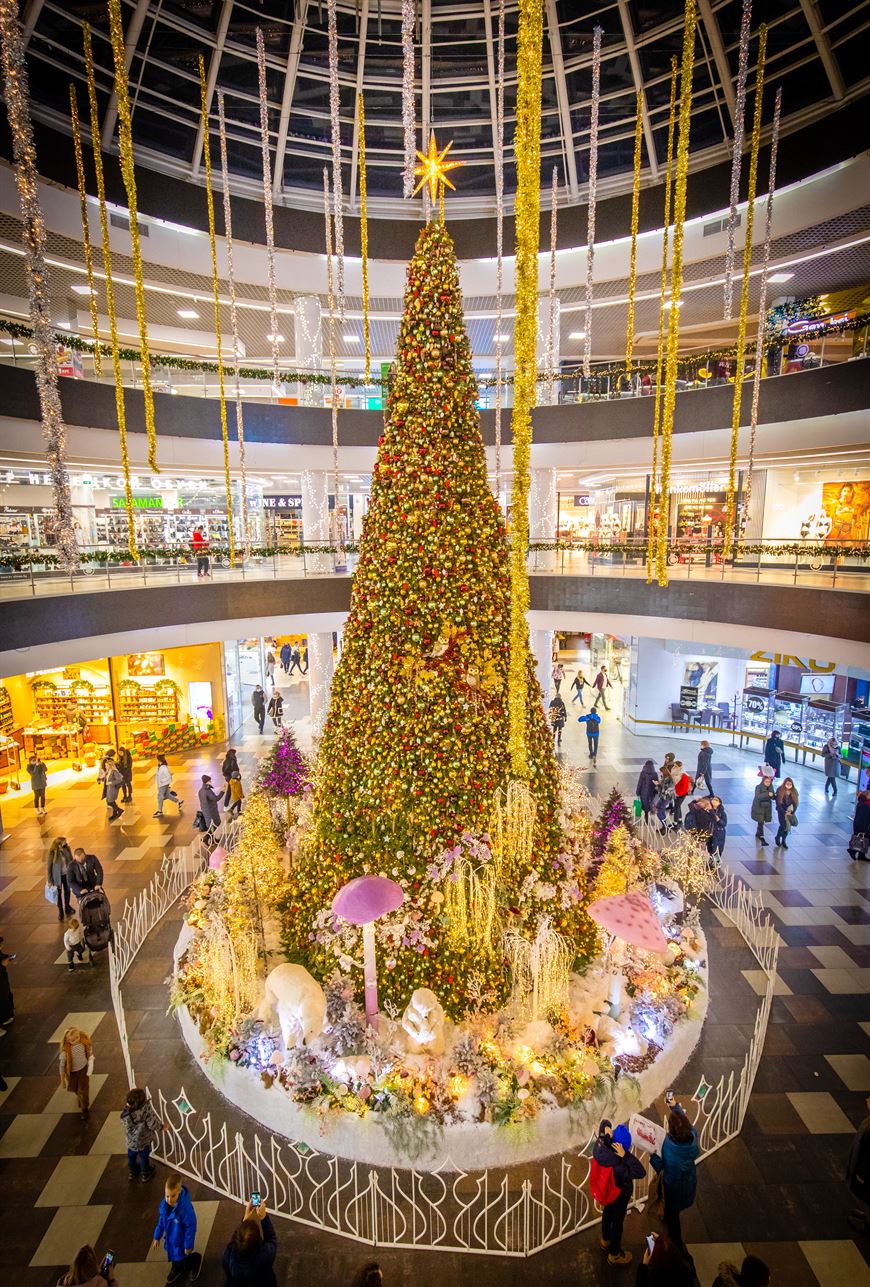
point(371, 974)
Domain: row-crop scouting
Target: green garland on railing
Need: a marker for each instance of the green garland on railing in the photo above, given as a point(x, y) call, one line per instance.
point(811, 551)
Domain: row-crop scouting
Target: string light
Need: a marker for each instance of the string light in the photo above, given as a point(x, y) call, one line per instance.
point(552, 301)
point(635, 220)
point(499, 236)
point(364, 236)
point(268, 211)
point(409, 105)
point(234, 319)
point(17, 93)
point(86, 231)
point(125, 151)
point(740, 360)
point(680, 182)
point(120, 407)
point(593, 191)
point(330, 297)
point(736, 155)
point(335, 127)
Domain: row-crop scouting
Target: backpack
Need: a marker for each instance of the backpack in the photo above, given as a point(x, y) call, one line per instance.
point(602, 1184)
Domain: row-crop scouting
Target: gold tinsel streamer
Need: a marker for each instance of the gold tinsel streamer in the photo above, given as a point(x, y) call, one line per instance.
point(654, 515)
point(527, 210)
point(209, 199)
point(680, 179)
point(86, 232)
point(740, 360)
point(125, 150)
point(364, 236)
point(120, 409)
point(635, 220)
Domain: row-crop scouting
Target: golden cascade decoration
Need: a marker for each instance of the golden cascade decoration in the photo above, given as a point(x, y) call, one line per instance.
point(471, 907)
point(364, 236)
point(120, 409)
point(209, 198)
point(125, 150)
point(86, 232)
point(527, 212)
point(512, 827)
point(635, 221)
point(680, 181)
point(655, 491)
point(540, 969)
point(740, 360)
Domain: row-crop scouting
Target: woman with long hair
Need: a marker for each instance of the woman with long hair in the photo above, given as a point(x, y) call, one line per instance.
point(76, 1064)
point(86, 1271)
point(786, 811)
point(676, 1164)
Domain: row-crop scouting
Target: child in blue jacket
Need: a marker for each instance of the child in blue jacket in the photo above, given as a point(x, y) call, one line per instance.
point(176, 1226)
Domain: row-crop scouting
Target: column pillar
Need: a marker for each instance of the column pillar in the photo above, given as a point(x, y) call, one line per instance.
point(543, 502)
point(320, 670)
point(84, 513)
point(542, 650)
point(308, 342)
point(315, 517)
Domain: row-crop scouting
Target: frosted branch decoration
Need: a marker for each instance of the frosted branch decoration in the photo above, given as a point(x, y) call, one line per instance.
point(409, 108)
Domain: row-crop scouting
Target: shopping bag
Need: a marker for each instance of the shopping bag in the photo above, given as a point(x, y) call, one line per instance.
point(50, 893)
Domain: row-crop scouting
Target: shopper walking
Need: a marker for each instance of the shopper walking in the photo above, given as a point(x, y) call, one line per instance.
point(87, 1270)
point(578, 684)
point(831, 752)
point(703, 768)
point(600, 683)
point(141, 1129)
point(647, 787)
point(303, 659)
point(236, 795)
point(558, 675)
point(229, 767)
point(716, 843)
point(859, 841)
point(294, 661)
point(612, 1152)
point(258, 701)
point(164, 787)
point(76, 1066)
point(762, 807)
point(276, 709)
point(74, 943)
point(858, 1172)
point(786, 811)
point(209, 805)
point(7, 1000)
point(270, 667)
point(38, 774)
point(125, 768)
point(85, 873)
point(106, 762)
point(774, 751)
point(592, 720)
point(249, 1258)
point(114, 782)
point(285, 654)
point(558, 717)
point(57, 874)
point(667, 764)
point(676, 1164)
point(200, 550)
point(752, 1273)
point(666, 799)
point(176, 1229)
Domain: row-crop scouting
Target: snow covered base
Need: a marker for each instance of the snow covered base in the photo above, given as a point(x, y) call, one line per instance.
point(470, 1146)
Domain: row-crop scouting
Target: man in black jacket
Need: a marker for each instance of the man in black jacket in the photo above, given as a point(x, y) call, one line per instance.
point(258, 701)
point(85, 873)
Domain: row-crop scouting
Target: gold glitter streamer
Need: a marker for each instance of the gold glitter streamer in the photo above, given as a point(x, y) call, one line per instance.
point(125, 149)
point(740, 359)
point(364, 236)
point(527, 210)
point(86, 232)
point(209, 198)
point(654, 515)
point(120, 410)
point(680, 180)
point(635, 219)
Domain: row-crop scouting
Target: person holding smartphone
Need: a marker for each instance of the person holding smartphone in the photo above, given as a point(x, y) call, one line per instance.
point(676, 1163)
point(87, 1271)
point(665, 1264)
point(249, 1259)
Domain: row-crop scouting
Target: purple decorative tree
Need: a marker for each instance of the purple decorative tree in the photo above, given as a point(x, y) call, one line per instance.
point(284, 773)
point(615, 813)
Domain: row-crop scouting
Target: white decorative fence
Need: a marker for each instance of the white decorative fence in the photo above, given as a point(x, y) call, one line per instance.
point(485, 1212)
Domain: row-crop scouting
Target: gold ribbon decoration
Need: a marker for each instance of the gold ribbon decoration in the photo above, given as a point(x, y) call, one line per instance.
point(635, 221)
point(86, 232)
point(364, 236)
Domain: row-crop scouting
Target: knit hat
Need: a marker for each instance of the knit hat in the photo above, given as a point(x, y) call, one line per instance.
point(622, 1135)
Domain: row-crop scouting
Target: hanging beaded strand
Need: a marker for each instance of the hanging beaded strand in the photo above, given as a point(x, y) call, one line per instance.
point(737, 153)
point(593, 193)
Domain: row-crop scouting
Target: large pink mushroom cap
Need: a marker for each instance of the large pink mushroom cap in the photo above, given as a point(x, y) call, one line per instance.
point(631, 917)
point(367, 898)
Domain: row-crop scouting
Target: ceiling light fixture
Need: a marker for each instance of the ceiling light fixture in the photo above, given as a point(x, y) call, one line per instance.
point(189, 314)
point(501, 339)
point(780, 277)
point(81, 288)
point(351, 339)
point(275, 339)
point(577, 335)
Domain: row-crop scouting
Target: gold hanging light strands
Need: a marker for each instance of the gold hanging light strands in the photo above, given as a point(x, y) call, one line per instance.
point(86, 231)
point(731, 517)
point(635, 221)
point(209, 198)
point(681, 174)
point(654, 514)
point(499, 239)
point(125, 150)
point(364, 236)
point(120, 408)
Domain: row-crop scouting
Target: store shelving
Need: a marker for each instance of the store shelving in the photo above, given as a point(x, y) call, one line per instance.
point(7, 719)
point(824, 719)
point(93, 705)
point(154, 704)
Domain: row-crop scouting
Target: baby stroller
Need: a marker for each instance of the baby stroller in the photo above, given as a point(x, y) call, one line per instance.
point(95, 914)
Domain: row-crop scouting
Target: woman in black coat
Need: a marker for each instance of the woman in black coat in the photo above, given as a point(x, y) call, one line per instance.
point(647, 786)
point(774, 750)
point(860, 827)
point(716, 843)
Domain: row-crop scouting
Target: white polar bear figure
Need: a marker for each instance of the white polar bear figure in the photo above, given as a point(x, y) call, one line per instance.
point(298, 1000)
point(423, 1022)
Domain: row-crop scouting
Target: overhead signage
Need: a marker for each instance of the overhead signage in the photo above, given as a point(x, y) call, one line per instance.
point(283, 502)
point(581, 500)
point(798, 325)
point(139, 502)
point(786, 659)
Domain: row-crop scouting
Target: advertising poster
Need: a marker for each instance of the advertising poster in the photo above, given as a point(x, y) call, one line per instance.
point(140, 664)
point(847, 505)
point(646, 1134)
point(703, 675)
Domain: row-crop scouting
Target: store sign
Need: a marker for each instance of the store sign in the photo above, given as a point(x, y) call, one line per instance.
point(786, 659)
point(283, 502)
point(800, 324)
point(139, 502)
point(754, 704)
point(582, 500)
point(688, 697)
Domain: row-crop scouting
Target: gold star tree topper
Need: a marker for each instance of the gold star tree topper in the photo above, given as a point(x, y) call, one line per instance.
point(433, 169)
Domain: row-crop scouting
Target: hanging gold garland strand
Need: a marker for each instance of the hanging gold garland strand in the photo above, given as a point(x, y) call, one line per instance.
point(120, 408)
point(499, 240)
point(527, 208)
point(731, 519)
point(654, 516)
point(209, 200)
point(364, 236)
point(680, 181)
point(86, 231)
point(635, 221)
point(234, 318)
point(125, 150)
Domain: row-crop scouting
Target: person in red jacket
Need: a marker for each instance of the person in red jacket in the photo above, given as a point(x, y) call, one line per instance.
point(200, 548)
point(682, 787)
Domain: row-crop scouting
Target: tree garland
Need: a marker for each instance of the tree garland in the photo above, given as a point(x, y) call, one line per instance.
point(409, 103)
point(86, 231)
point(335, 130)
point(552, 298)
point(499, 237)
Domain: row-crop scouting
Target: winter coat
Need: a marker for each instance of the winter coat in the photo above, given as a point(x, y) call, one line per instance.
point(235, 789)
point(699, 819)
point(177, 1226)
point(646, 788)
point(705, 759)
point(773, 750)
point(832, 762)
point(164, 775)
point(557, 713)
point(762, 808)
point(58, 867)
point(258, 1272)
point(85, 873)
point(683, 785)
point(125, 764)
point(208, 803)
point(276, 706)
point(861, 820)
point(858, 1164)
point(677, 1166)
point(229, 766)
point(286, 653)
point(141, 1126)
point(720, 825)
point(592, 722)
point(782, 811)
point(114, 781)
point(258, 701)
point(38, 774)
point(625, 1169)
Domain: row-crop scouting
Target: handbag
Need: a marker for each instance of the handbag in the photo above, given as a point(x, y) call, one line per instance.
point(199, 821)
point(50, 893)
point(656, 1199)
point(859, 842)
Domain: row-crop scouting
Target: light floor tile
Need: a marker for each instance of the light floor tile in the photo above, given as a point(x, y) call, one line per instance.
point(72, 1182)
point(111, 1138)
point(857, 934)
point(864, 1026)
point(64, 1101)
point(840, 982)
point(836, 1262)
point(820, 1112)
point(757, 980)
point(11, 1083)
point(205, 1218)
point(151, 1274)
point(853, 1070)
point(708, 1256)
point(28, 1134)
point(87, 1020)
point(79, 965)
point(833, 958)
point(71, 1227)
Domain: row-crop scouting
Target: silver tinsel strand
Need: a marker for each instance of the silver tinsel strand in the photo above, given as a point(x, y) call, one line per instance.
point(499, 236)
point(17, 95)
point(737, 154)
point(409, 108)
point(335, 126)
point(234, 320)
point(552, 301)
point(593, 192)
point(330, 297)
point(267, 199)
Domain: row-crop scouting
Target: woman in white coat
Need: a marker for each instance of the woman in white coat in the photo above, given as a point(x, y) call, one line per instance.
point(164, 787)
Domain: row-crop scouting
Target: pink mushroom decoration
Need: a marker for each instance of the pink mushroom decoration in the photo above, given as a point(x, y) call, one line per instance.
point(630, 917)
point(216, 858)
point(362, 902)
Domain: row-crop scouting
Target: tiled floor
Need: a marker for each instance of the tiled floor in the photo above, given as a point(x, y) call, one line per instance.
point(776, 1192)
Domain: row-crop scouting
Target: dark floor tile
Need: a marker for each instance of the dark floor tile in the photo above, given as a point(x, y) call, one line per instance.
point(854, 915)
point(773, 1115)
point(789, 897)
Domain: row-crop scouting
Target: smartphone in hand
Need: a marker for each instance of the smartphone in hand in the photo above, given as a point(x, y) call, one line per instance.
point(255, 1199)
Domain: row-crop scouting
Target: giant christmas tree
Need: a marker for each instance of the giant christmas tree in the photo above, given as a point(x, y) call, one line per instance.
point(416, 742)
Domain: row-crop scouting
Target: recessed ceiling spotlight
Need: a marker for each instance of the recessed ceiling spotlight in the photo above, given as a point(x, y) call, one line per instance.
point(81, 288)
point(780, 277)
point(275, 339)
point(577, 335)
point(351, 339)
point(189, 314)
